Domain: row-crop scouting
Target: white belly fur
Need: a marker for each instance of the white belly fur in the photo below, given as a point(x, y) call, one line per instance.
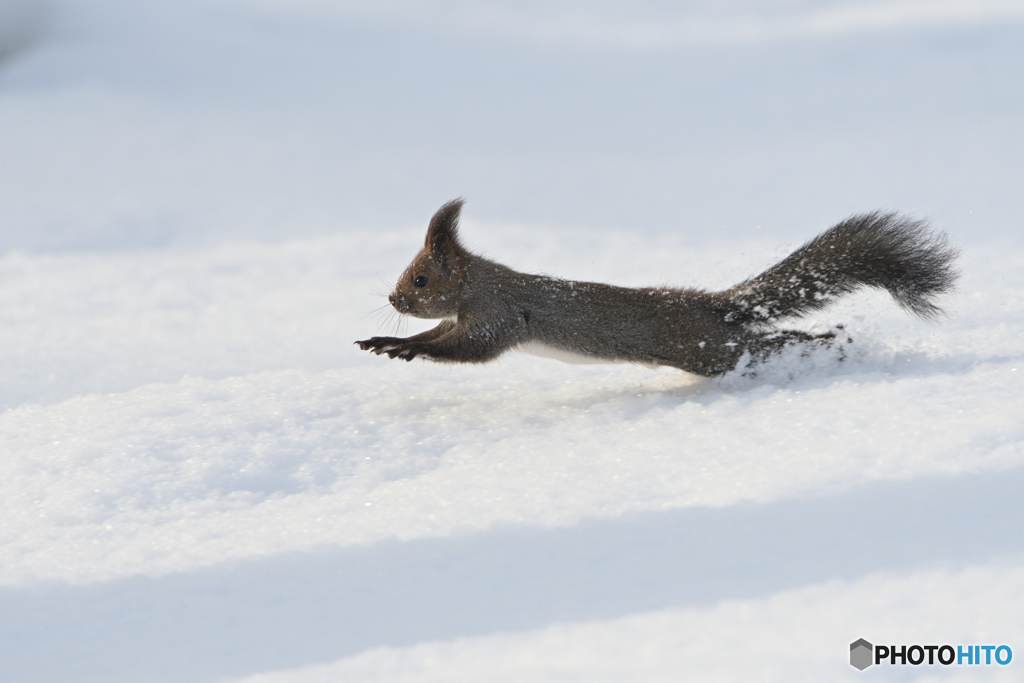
point(536, 348)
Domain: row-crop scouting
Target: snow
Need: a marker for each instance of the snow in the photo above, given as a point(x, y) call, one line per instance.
point(204, 204)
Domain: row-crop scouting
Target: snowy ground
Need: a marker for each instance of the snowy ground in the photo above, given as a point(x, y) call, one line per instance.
point(202, 205)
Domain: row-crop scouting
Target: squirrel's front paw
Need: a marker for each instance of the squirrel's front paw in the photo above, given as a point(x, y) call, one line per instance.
point(406, 351)
point(379, 345)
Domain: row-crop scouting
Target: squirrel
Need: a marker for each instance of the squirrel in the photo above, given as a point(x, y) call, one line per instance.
point(487, 309)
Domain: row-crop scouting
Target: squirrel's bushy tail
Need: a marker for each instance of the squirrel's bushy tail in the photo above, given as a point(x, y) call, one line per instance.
point(884, 250)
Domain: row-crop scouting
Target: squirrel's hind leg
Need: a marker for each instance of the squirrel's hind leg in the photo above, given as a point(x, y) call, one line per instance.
point(775, 341)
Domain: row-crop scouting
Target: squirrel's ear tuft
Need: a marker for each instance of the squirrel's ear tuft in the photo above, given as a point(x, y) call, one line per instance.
point(443, 234)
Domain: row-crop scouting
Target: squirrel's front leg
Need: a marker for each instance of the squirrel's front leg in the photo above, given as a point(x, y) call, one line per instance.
point(379, 345)
point(431, 350)
point(463, 344)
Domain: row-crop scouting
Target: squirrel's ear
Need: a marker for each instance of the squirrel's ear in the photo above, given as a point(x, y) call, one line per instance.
point(443, 234)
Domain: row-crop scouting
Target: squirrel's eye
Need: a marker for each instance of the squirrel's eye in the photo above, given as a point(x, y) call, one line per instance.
point(420, 281)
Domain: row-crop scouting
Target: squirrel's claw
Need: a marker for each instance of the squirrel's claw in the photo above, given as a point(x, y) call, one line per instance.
point(392, 346)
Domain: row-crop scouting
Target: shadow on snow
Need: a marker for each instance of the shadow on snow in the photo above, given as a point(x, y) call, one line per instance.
point(300, 609)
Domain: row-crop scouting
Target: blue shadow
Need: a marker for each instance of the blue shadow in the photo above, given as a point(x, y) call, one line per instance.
point(301, 609)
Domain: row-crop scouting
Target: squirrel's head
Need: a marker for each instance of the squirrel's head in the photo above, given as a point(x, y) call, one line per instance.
point(430, 286)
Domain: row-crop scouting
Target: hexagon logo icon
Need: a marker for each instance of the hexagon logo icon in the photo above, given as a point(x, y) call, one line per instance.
point(861, 652)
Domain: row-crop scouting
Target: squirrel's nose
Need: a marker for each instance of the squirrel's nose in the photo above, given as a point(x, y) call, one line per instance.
point(400, 302)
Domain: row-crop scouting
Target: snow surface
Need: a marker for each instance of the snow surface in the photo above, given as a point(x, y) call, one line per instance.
point(203, 204)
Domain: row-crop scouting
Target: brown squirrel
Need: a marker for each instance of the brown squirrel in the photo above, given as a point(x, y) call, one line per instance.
point(487, 309)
